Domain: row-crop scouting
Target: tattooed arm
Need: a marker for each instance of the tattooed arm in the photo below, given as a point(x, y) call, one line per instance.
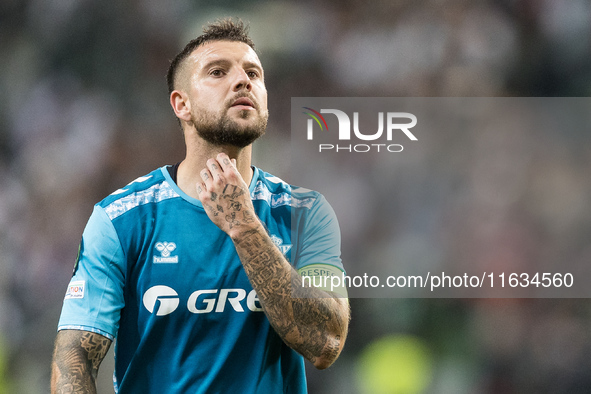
point(309, 320)
point(76, 360)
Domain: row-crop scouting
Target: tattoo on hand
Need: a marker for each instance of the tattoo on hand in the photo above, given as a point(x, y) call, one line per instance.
point(235, 205)
point(231, 218)
point(210, 209)
point(247, 217)
point(236, 192)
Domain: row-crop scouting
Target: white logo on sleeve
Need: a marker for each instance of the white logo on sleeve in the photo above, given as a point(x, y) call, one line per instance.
point(165, 249)
point(164, 297)
point(75, 290)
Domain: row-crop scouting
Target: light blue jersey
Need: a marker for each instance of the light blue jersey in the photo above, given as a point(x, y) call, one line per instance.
point(155, 272)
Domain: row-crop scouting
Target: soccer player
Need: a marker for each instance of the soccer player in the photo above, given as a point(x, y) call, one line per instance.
point(193, 268)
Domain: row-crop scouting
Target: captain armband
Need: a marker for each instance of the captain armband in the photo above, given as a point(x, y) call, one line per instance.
point(324, 277)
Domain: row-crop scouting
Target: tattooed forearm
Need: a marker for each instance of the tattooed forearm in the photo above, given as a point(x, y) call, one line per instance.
point(307, 319)
point(96, 347)
point(76, 360)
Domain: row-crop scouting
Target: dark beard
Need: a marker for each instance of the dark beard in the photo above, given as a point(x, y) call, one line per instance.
point(225, 131)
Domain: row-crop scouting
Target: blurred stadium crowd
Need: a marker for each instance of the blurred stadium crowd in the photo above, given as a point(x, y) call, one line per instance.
point(84, 110)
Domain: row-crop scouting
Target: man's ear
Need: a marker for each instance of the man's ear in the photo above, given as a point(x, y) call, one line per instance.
point(181, 105)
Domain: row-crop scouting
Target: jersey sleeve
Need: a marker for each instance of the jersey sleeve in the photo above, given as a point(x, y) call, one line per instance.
point(320, 253)
point(94, 297)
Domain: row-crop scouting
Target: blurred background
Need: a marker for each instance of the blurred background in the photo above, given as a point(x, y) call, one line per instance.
point(84, 110)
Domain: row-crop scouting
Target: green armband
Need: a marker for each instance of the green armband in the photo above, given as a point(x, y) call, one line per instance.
point(324, 277)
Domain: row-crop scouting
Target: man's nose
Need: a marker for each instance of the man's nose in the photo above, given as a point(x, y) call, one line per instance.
point(242, 81)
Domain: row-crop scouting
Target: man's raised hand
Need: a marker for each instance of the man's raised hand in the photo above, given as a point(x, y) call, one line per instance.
point(225, 196)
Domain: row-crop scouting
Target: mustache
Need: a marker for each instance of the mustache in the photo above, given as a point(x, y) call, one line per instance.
point(232, 100)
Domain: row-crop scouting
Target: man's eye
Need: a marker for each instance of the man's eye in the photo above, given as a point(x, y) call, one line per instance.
point(252, 74)
point(216, 73)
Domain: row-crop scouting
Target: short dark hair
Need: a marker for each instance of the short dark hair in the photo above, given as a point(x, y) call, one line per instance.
point(222, 30)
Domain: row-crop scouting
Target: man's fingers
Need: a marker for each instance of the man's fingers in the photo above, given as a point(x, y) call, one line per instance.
point(200, 188)
point(219, 172)
point(216, 170)
point(214, 167)
point(224, 161)
point(207, 178)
